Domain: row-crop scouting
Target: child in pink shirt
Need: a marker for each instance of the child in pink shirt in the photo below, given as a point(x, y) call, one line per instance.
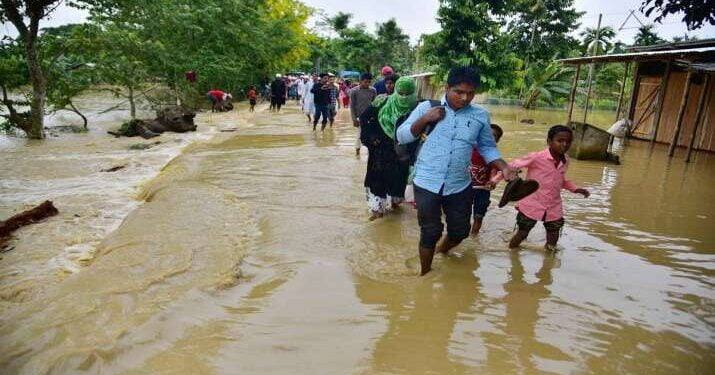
point(548, 168)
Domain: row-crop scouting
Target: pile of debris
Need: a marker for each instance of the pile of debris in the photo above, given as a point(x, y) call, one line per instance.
point(173, 119)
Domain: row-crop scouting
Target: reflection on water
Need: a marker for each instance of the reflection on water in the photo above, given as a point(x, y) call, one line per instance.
point(253, 254)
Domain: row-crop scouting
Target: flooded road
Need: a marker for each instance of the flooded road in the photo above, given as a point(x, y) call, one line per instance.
point(252, 253)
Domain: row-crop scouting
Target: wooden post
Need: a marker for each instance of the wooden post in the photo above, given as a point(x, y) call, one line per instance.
point(572, 96)
point(623, 90)
point(661, 98)
point(699, 114)
point(634, 94)
point(681, 113)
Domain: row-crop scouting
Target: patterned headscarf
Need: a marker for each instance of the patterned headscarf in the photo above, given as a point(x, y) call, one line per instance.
point(393, 106)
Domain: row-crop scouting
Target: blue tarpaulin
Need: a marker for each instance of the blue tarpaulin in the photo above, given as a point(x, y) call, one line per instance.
point(349, 74)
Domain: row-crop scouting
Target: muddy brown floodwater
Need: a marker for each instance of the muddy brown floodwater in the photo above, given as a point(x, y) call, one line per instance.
point(252, 253)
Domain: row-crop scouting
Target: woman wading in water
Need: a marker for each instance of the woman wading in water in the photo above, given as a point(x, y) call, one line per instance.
point(386, 177)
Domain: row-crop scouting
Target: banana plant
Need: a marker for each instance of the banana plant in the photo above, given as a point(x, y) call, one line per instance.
point(545, 83)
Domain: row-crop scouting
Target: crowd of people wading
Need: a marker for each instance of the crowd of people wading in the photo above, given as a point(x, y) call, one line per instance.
point(445, 149)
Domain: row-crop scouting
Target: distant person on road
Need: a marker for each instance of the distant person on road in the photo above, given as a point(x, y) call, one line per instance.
point(300, 84)
point(307, 102)
point(278, 93)
point(218, 99)
point(380, 85)
point(321, 96)
point(344, 89)
point(548, 167)
point(442, 182)
point(334, 93)
point(360, 98)
point(252, 96)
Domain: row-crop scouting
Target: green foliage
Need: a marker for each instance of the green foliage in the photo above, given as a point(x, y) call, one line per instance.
point(393, 47)
point(355, 48)
point(608, 80)
point(695, 12)
point(592, 46)
point(13, 68)
point(69, 67)
point(472, 35)
point(647, 37)
point(14, 75)
point(230, 44)
point(540, 29)
point(546, 82)
point(340, 21)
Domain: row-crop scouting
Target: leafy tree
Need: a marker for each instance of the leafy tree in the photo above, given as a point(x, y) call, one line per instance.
point(647, 37)
point(695, 12)
point(13, 74)
point(540, 30)
point(121, 64)
point(356, 48)
point(607, 81)
point(617, 47)
point(595, 47)
point(393, 46)
point(69, 66)
point(547, 81)
point(322, 55)
point(340, 21)
point(472, 34)
point(25, 16)
point(63, 68)
point(229, 44)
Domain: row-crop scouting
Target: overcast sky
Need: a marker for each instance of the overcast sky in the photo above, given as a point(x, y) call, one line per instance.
point(417, 17)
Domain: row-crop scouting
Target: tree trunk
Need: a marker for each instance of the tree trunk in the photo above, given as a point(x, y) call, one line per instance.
point(75, 110)
point(531, 101)
point(17, 119)
point(132, 105)
point(34, 10)
point(39, 83)
point(26, 217)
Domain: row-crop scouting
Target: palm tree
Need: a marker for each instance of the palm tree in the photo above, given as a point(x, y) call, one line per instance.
point(646, 36)
point(593, 47)
point(545, 82)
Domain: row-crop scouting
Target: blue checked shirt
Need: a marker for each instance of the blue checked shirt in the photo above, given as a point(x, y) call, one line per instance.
point(444, 159)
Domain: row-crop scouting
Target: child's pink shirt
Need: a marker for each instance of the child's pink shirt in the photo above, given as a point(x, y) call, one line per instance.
point(545, 203)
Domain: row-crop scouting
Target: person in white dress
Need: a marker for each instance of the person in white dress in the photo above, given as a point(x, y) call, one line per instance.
point(307, 99)
point(300, 85)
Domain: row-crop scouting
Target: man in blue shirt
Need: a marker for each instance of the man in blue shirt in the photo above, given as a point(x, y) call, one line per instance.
point(442, 181)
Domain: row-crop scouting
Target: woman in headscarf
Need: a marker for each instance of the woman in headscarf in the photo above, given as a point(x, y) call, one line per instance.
point(386, 176)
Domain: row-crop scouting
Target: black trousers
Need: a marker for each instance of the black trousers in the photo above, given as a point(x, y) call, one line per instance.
point(457, 210)
point(321, 110)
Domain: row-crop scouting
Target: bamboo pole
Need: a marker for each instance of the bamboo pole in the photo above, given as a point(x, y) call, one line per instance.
point(572, 95)
point(590, 68)
point(661, 98)
point(681, 113)
point(699, 114)
point(623, 90)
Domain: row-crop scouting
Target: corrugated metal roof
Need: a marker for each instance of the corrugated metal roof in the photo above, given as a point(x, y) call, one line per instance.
point(691, 54)
point(703, 67)
point(668, 46)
